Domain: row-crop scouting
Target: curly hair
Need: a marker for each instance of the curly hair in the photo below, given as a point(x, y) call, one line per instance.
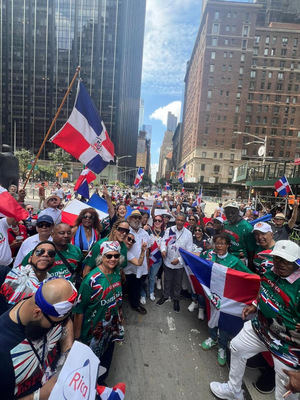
point(96, 221)
point(115, 227)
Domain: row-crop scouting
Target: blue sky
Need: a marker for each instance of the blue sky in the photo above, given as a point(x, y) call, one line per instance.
point(170, 32)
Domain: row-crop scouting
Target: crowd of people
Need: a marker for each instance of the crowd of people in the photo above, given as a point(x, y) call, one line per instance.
point(60, 283)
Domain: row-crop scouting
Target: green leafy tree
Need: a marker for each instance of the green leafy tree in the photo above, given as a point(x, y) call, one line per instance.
point(61, 158)
point(45, 172)
point(25, 158)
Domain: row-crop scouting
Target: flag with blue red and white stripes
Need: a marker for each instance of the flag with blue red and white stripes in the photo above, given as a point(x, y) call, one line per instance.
point(282, 186)
point(139, 177)
point(115, 393)
point(84, 135)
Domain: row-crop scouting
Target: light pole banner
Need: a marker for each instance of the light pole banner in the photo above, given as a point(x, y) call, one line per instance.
point(77, 379)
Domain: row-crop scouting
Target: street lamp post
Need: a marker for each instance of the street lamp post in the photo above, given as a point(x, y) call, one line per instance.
point(259, 141)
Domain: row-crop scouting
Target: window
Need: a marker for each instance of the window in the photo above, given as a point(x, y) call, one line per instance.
point(279, 86)
point(238, 95)
point(203, 154)
point(255, 51)
point(242, 57)
point(283, 52)
point(252, 85)
point(267, 40)
point(266, 51)
point(265, 120)
point(228, 15)
point(209, 93)
point(269, 85)
point(284, 40)
point(274, 39)
point(202, 165)
point(215, 155)
point(230, 170)
point(208, 107)
point(216, 169)
point(213, 55)
point(275, 109)
point(227, 28)
point(295, 42)
point(250, 96)
point(244, 44)
point(210, 81)
point(252, 74)
point(292, 121)
point(233, 28)
point(273, 131)
point(237, 108)
point(211, 68)
point(248, 119)
point(215, 28)
point(280, 76)
point(231, 157)
point(225, 54)
point(273, 52)
point(257, 39)
point(229, 67)
point(240, 83)
point(245, 30)
point(274, 121)
point(241, 70)
point(281, 64)
point(287, 100)
point(294, 100)
point(249, 108)
point(217, 14)
point(226, 42)
point(231, 54)
point(270, 74)
point(262, 85)
point(257, 119)
point(214, 42)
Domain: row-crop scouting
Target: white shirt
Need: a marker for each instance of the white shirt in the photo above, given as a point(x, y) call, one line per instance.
point(184, 239)
point(5, 251)
point(28, 245)
point(60, 193)
point(55, 213)
point(140, 236)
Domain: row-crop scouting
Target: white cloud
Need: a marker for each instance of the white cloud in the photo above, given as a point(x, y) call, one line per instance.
point(161, 113)
point(170, 32)
point(154, 169)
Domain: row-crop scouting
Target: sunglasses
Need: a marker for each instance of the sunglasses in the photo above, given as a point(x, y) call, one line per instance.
point(29, 208)
point(40, 252)
point(158, 220)
point(130, 240)
point(198, 230)
point(88, 217)
point(192, 219)
point(43, 225)
point(123, 230)
point(110, 256)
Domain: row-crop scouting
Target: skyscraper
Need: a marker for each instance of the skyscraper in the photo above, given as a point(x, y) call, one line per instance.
point(41, 44)
point(171, 122)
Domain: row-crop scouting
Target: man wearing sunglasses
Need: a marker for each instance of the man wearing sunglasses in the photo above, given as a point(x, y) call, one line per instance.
point(52, 208)
point(44, 227)
point(35, 334)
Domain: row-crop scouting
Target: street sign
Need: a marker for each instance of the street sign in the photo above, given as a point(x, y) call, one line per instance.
point(240, 173)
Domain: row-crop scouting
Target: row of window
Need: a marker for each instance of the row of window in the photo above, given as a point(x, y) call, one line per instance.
point(274, 39)
point(274, 52)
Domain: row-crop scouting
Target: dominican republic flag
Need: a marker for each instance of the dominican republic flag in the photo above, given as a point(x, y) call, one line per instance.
point(115, 393)
point(167, 186)
point(9, 207)
point(155, 254)
point(197, 202)
point(139, 177)
point(71, 211)
point(82, 184)
point(228, 291)
point(282, 186)
point(181, 175)
point(172, 237)
point(84, 134)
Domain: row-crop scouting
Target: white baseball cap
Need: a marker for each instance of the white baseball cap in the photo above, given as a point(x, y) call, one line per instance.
point(262, 227)
point(287, 250)
point(220, 219)
point(231, 203)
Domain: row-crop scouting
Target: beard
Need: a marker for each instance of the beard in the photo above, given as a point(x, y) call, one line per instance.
point(48, 266)
point(135, 224)
point(34, 331)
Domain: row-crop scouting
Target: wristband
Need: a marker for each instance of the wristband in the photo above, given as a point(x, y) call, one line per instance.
point(254, 303)
point(36, 395)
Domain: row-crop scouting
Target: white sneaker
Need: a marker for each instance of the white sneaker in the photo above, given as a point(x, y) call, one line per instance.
point(158, 284)
point(201, 314)
point(152, 297)
point(192, 306)
point(143, 300)
point(222, 391)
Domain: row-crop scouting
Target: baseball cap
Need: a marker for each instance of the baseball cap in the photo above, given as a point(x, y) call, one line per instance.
point(219, 219)
point(280, 216)
point(135, 213)
point(231, 203)
point(45, 218)
point(262, 227)
point(287, 250)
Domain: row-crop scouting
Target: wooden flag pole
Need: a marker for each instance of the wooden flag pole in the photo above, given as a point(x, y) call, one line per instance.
point(52, 124)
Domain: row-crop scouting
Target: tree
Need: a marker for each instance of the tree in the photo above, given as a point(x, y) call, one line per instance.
point(61, 159)
point(45, 172)
point(25, 158)
point(146, 181)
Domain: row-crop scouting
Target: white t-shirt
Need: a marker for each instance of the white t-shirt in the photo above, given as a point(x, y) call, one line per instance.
point(184, 239)
point(28, 245)
point(140, 236)
point(5, 251)
point(60, 193)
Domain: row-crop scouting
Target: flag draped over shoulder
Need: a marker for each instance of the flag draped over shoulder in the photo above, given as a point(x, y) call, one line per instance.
point(82, 183)
point(227, 290)
point(9, 206)
point(139, 177)
point(84, 134)
point(282, 186)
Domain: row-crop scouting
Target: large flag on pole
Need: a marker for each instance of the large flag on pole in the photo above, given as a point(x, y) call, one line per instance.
point(9, 207)
point(82, 184)
point(139, 177)
point(84, 134)
point(197, 202)
point(282, 186)
point(181, 175)
point(227, 290)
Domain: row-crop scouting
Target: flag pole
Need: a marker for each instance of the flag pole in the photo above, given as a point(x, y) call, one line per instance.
point(52, 124)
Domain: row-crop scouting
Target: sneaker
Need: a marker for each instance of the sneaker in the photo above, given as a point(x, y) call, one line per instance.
point(208, 344)
point(192, 306)
point(221, 357)
point(176, 306)
point(158, 284)
point(143, 300)
point(161, 301)
point(201, 314)
point(222, 391)
point(152, 297)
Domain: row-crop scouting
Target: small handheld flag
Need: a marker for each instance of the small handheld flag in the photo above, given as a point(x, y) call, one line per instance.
point(282, 186)
point(181, 176)
point(82, 184)
point(167, 186)
point(139, 177)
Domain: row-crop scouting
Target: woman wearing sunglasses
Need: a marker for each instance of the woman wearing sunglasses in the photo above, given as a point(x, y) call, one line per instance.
point(87, 229)
point(98, 314)
point(118, 233)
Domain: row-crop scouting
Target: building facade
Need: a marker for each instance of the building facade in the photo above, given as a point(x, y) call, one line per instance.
point(165, 149)
point(241, 80)
point(41, 44)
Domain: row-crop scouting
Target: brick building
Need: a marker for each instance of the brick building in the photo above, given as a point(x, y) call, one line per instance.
point(243, 77)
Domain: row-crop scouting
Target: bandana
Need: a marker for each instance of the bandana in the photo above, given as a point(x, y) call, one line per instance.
point(58, 309)
point(106, 247)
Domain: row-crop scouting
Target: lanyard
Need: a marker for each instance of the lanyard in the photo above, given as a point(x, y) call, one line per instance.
point(40, 360)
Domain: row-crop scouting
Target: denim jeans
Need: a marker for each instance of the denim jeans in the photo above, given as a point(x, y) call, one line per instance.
point(144, 280)
point(223, 338)
point(152, 274)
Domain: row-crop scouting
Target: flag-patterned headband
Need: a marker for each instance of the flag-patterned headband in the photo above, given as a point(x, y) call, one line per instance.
point(109, 246)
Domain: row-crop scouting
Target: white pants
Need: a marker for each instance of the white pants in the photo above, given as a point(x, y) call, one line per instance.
point(246, 345)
